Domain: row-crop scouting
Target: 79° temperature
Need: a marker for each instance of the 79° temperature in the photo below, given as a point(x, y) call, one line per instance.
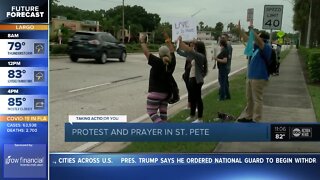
point(16, 45)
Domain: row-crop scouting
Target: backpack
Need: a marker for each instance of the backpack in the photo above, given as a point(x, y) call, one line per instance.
point(272, 66)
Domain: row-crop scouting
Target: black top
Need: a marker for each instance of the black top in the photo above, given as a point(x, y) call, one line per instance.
point(187, 65)
point(160, 73)
point(223, 54)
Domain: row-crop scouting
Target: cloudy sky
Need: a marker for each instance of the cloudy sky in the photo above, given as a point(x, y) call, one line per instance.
point(208, 11)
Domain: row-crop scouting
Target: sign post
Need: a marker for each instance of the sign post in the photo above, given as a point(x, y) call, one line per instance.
point(250, 16)
point(272, 17)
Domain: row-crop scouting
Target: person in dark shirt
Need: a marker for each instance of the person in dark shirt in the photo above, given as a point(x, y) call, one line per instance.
point(222, 59)
point(161, 70)
point(225, 36)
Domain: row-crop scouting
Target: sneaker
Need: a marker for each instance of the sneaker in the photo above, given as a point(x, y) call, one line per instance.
point(245, 120)
point(190, 118)
point(197, 121)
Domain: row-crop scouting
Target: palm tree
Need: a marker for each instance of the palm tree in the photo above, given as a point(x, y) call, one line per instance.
point(230, 26)
point(201, 23)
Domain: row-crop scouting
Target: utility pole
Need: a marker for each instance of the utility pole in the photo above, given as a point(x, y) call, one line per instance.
point(122, 21)
point(309, 26)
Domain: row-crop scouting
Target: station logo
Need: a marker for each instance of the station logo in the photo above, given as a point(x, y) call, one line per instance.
point(301, 132)
point(296, 132)
point(30, 160)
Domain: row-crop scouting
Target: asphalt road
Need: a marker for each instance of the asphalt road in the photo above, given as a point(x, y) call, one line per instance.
point(114, 88)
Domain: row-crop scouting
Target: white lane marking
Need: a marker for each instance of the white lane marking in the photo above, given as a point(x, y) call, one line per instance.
point(89, 87)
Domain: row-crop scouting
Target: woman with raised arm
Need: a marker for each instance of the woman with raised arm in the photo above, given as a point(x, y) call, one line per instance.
point(199, 69)
point(159, 90)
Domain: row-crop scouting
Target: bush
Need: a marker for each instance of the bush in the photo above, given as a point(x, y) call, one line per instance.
point(314, 65)
point(304, 52)
point(58, 49)
point(132, 48)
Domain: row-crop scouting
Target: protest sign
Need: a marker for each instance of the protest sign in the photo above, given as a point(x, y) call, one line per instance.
point(186, 28)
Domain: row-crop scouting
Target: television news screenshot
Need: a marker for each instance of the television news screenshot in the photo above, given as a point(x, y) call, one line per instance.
point(137, 89)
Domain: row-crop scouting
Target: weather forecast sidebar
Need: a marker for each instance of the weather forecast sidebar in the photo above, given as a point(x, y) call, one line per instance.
point(24, 89)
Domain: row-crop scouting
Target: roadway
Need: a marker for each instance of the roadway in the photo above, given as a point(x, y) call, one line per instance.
point(114, 88)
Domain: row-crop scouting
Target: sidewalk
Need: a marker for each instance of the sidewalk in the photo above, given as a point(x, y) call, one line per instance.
point(286, 99)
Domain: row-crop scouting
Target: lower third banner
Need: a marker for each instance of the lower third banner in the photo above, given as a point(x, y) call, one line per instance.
point(185, 166)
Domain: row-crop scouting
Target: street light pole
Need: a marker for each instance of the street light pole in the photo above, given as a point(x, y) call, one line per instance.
point(122, 21)
point(197, 12)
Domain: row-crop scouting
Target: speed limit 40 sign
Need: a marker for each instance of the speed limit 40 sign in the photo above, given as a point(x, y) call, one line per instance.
point(272, 17)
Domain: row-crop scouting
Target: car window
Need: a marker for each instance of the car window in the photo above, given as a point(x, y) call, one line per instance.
point(110, 38)
point(104, 37)
point(83, 36)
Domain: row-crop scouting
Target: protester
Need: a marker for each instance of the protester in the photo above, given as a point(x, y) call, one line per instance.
point(278, 52)
point(199, 69)
point(257, 77)
point(222, 59)
point(230, 50)
point(160, 76)
point(187, 68)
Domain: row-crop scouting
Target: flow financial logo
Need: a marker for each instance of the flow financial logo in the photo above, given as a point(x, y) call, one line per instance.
point(25, 161)
point(30, 160)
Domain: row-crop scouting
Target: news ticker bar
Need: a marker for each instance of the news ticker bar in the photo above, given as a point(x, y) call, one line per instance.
point(95, 160)
point(184, 166)
point(189, 132)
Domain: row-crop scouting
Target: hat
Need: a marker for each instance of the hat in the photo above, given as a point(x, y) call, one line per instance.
point(164, 51)
point(264, 35)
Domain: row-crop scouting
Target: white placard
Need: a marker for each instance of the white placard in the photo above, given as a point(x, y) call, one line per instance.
point(186, 28)
point(272, 17)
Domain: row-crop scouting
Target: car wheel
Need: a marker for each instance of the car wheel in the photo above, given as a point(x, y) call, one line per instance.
point(103, 58)
point(74, 58)
point(123, 57)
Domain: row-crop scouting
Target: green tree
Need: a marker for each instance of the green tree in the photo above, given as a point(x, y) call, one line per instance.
point(300, 18)
point(163, 27)
point(201, 25)
point(218, 30)
point(134, 15)
point(54, 2)
point(134, 31)
point(230, 26)
point(111, 20)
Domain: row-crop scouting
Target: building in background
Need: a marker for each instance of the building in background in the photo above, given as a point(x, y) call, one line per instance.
point(61, 21)
point(204, 35)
